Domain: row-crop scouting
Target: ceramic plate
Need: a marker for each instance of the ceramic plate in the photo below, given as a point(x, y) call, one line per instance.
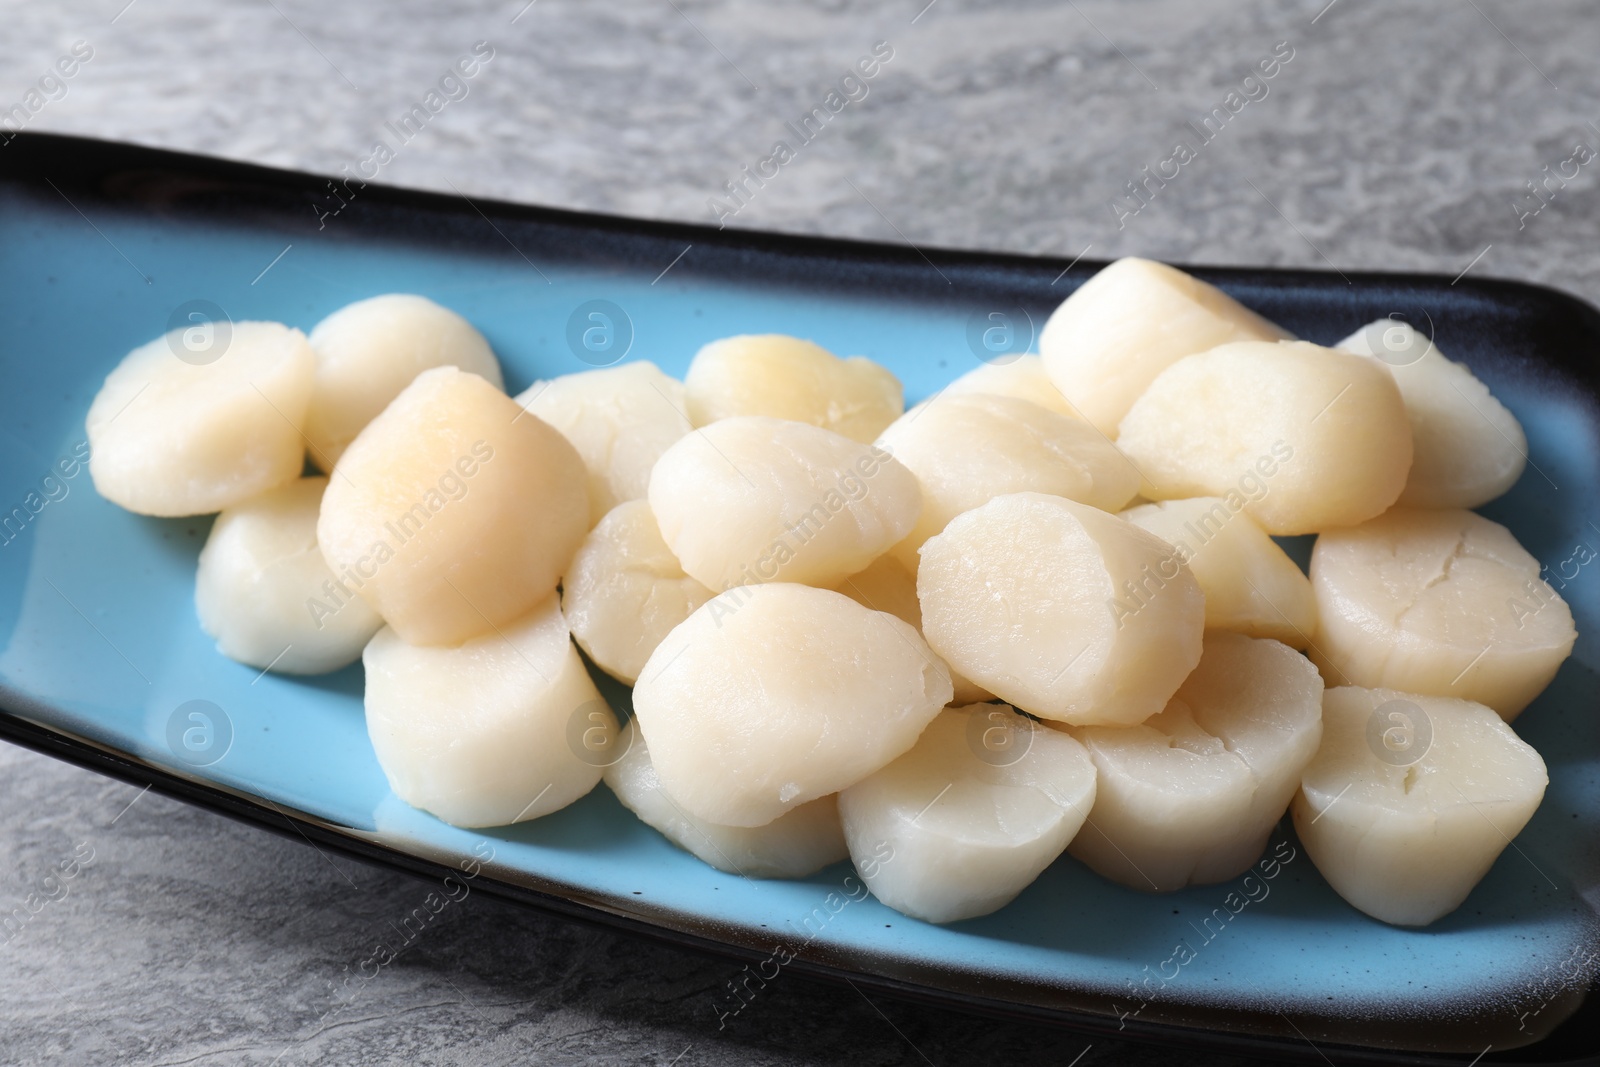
point(103, 247)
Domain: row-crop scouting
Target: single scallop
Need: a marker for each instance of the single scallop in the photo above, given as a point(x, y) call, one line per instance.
point(620, 419)
point(1061, 609)
point(1305, 436)
point(265, 593)
point(202, 418)
point(624, 591)
point(755, 499)
point(888, 586)
point(773, 695)
point(454, 511)
point(368, 351)
point(1251, 585)
point(1109, 340)
point(1443, 602)
point(795, 844)
point(502, 728)
point(787, 378)
point(1022, 378)
point(1192, 794)
point(966, 820)
point(1411, 798)
point(967, 449)
point(1468, 448)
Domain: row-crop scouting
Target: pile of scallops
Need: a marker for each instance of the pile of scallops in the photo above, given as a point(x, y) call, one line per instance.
point(1040, 612)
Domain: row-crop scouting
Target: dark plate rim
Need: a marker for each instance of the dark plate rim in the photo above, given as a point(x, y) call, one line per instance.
point(31, 151)
point(122, 156)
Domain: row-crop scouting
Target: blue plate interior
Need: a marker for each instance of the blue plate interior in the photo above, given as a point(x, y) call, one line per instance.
point(98, 638)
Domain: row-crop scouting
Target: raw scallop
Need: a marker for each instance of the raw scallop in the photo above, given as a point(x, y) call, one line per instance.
point(187, 434)
point(773, 695)
point(264, 591)
point(1192, 794)
point(984, 802)
point(500, 729)
point(1411, 798)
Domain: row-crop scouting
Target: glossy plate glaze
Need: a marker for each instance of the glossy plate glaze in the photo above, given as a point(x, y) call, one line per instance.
point(103, 247)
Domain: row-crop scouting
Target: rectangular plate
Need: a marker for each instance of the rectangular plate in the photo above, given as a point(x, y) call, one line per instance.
point(101, 246)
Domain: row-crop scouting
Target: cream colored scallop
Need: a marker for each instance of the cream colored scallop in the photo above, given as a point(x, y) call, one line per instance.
point(625, 591)
point(1250, 584)
point(454, 511)
point(795, 844)
point(1109, 340)
point(773, 695)
point(1307, 437)
point(959, 825)
point(620, 419)
point(264, 592)
point(755, 499)
point(787, 378)
point(1469, 448)
point(494, 731)
point(1022, 378)
point(1443, 602)
point(968, 449)
point(368, 351)
point(1065, 611)
point(202, 418)
point(1405, 835)
point(888, 586)
point(1192, 794)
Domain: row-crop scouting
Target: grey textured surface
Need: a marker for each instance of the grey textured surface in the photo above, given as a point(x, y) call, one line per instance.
point(1399, 136)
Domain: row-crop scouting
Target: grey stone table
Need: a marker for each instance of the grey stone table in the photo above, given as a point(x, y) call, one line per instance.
point(1436, 137)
